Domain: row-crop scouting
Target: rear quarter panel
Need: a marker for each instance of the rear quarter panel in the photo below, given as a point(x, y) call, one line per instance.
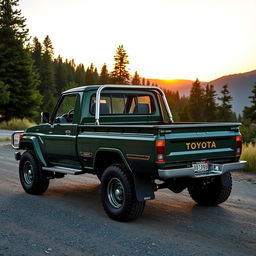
point(136, 148)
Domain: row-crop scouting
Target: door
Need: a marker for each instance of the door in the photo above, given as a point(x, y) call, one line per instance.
point(60, 135)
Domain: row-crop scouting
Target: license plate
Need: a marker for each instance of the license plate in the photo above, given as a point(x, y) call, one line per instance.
point(201, 166)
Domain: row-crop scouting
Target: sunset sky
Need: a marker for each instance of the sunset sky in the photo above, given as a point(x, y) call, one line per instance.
point(165, 39)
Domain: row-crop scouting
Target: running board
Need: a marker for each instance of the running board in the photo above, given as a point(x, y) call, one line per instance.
point(64, 170)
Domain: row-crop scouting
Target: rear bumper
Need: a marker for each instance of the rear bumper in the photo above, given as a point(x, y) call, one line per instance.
point(214, 170)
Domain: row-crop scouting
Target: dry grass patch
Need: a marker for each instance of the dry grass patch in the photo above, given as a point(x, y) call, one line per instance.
point(249, 154)
point(17, 124)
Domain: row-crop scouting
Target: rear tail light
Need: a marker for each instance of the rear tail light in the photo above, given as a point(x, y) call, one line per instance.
point(160, 151)
point(239, 142)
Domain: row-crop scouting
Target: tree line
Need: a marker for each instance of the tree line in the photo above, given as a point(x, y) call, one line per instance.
point(202, 104)
point(57, 75)
point(31, 79)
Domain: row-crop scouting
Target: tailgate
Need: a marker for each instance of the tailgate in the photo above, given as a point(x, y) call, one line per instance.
point(197, 142)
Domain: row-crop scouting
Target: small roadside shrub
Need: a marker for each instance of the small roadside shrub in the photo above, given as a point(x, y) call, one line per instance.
point(248, 131)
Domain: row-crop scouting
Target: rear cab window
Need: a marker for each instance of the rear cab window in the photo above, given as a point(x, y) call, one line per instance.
point(124, 104)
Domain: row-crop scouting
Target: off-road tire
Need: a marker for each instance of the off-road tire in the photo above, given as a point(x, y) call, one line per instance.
point(118, 194)
point(31, 176)
point(211, 191)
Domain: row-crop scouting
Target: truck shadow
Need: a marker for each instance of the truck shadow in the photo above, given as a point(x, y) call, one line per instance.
point(82, 196)
point(178, 210)
point(175, 211)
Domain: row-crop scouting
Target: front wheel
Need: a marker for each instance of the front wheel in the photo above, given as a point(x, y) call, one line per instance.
point(118, 194)
point(212, 190)
point(31, 176)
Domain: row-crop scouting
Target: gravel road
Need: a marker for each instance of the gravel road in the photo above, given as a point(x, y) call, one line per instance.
point(69, 220)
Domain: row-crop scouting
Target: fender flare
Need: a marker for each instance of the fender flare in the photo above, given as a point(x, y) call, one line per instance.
point(144, 187)
point(36, 146)
point(112, 150)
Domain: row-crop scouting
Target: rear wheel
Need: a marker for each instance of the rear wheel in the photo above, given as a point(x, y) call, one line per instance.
point(31, 176)
point(211, 191)
point(118, 194)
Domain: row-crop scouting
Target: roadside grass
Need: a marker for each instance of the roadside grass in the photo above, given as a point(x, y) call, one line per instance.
point(249, 154)
point(16, 124)
point(5, 139)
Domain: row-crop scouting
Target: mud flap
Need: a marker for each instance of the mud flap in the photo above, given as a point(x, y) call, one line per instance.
point(144, 188)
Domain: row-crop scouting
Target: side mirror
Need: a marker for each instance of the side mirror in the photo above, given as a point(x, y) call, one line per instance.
point(45, 117)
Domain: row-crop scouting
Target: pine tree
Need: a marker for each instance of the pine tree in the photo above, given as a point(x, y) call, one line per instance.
point(250, 112)
point(184, 114)
point(104, 76)
point(234, 117)
point(96, 76)
point(18, 75)
point(225, 109)
point(70, 68)
point(239, 119)
point(120, 75)
point(61, 76)
point(80, 75)
point(70, 85)
point(136, 79)
point(210, 104)
point(89, 75)
point(197, 102)
point(47, 86)
point(4, 96)
point(37, 53)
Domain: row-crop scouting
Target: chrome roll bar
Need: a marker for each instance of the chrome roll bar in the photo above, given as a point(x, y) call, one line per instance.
point(110, 86)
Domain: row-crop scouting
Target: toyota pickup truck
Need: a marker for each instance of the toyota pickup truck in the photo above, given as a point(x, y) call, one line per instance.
point(127, 137)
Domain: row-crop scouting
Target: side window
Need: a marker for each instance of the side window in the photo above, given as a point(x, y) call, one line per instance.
point(66, 110)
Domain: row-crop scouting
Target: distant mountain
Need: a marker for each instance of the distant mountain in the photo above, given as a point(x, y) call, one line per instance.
point(240, 87)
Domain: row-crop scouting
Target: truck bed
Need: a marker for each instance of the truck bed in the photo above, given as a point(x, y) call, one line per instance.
point(185, 142)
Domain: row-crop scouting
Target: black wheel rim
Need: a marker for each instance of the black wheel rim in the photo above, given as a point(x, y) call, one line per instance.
point(115, 191)
point(28, 173)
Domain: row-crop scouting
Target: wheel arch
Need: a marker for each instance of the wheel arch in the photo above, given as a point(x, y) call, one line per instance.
point(32, 143)
point(105, 157)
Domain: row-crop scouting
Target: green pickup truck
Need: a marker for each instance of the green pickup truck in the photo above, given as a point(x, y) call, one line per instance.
point(126, 136)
